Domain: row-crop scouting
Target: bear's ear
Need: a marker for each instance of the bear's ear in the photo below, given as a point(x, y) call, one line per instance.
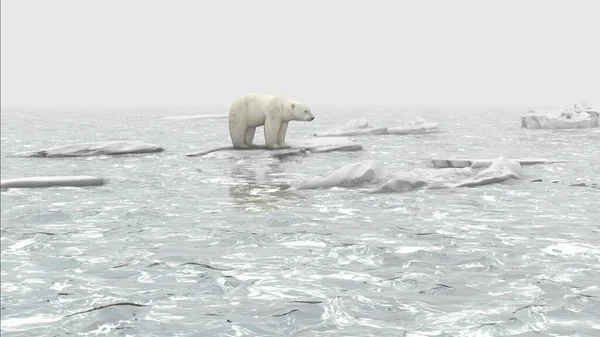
point(293, 106)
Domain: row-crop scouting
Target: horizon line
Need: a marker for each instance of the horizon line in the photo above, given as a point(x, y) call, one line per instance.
point(47, 106)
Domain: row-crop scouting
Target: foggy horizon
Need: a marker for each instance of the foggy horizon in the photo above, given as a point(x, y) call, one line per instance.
point(226, 106)
point(387, 53)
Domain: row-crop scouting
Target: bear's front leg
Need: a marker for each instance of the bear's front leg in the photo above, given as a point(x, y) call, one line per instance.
point(281, 135)
point(272, 127)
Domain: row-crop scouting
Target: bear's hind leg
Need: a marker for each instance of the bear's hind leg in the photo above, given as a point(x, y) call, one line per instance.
point(238, 135)
point(250, 137)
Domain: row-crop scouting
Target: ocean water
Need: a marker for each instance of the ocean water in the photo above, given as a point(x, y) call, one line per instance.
point(182, 246)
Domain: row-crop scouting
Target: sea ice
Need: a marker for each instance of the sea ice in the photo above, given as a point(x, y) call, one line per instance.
point(373, 174)
point(50, 181)
point(417, 126)
point(355, 127)
point(581, 116)
point(478, 163)
point(352, 175)
point(295, 147)
point(360, 127)
point(92, 149)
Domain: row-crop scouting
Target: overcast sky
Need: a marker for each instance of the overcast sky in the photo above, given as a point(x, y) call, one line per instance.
point(129, 52)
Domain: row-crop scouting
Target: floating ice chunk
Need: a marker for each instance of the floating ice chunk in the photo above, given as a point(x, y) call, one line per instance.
point(383, 180)
point(296, 147)
point(93, 149)
point(399, 185)
point(581, 116)
point(500, 170)
point(352, 175)
point(430, 178)
point(258, 152)
point(326, 145)
point(415, 127)
point(355, 127)
point(360, 127)
point(50, 181)
point(478, 163)
point(359, 123)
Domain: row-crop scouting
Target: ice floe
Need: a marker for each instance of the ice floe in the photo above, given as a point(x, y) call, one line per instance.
point(361, 127)
point(50, 181)
point(380, 179)
point(581, 116)
point(295, 147)
point(92, 149)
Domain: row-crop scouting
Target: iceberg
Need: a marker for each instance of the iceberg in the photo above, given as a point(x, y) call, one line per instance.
point(92, 149)
point(296, 147)
point(50, 181)
point(360, 127)
point(581, 116)
point(381, 180)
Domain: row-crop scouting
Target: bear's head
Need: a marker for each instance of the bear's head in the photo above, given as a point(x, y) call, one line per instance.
point(301, 112)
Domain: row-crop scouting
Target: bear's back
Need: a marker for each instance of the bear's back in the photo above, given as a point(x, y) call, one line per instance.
point(251, 109)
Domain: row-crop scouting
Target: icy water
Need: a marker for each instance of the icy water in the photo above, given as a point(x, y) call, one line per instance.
point(181, 246)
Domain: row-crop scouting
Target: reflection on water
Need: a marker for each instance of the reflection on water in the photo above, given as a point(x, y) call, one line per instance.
point(259, 187)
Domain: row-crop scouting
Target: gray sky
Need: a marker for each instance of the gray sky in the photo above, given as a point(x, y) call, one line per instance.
point(129, 52)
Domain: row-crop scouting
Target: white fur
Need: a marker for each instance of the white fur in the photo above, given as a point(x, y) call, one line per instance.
point(274, 112)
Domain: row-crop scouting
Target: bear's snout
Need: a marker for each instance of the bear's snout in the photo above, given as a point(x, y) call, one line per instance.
point(311, 118)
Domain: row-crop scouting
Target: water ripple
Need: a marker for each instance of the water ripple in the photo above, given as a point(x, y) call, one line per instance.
point(180, 246)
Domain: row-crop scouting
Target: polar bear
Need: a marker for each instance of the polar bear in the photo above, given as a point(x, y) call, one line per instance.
point(273, 111)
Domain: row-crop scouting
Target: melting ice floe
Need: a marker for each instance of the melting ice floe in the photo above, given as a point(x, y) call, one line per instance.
point(581, 116)
point(372, 174)
point(355, 127)
point(50, 181)
point(296, 147)
point(479, 163)
point(414, 127)
point(359, 127)
point(92, 149)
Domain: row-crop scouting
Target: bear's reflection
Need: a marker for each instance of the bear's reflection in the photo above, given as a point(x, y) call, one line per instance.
point(260, 187)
